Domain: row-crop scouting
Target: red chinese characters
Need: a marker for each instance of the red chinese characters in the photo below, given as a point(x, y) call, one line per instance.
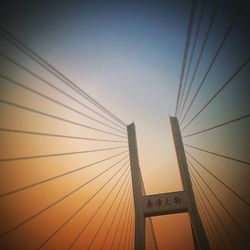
point(167, 203)
point(177, 200)
point(149, 203)
point(164, 202)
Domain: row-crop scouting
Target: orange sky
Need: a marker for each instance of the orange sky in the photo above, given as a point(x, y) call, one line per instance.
point(18, 173)
point(128, 56)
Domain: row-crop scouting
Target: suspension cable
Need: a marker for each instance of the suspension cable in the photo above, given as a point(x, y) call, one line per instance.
point(207, 225)
point(218, 91)
point(124, 223)
point(130, 229)
point(116, 212)
point(191, 58)
point(59, 176)
point(219, 125)
point(53, 204)
point(106, 215)
point(99, 207)
point(126, 232)
point(79, 209)
point(201, 54)
point(56, 117)
point(225, 185)
point(58, 154)
point(9, 130)
point(189, 30)
point(217, 216)
point(220, 155)
point(214, 59)
point(21, 85)
point(226, 210)
point(57, 89)
point(125, 207)
point(28, 51)
point(193, 178)
point(132, 232)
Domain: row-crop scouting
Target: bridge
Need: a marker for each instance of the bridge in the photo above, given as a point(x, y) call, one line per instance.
point(85, 188)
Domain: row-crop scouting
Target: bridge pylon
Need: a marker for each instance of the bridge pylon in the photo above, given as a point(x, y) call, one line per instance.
point(166, 203)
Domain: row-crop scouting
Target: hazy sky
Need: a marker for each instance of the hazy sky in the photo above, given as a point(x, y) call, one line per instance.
point(128, 56)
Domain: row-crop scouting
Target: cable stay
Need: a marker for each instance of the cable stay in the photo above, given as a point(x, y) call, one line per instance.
point(9, 130)
point(131, 228)
point(206, 221)
point(96, 211)
point(220, 155)
point(193, 178)
point(92, 100)
point(226, 35)
point(55, 203)
point(105, 217)
point(126, 232)
point(217, 216)
point(188, 35)
point(191, 59)
point(56, 88)
point(119, 221)
point(218, 92)
point(60, 175)
point(211, 23)
point(21, 85)
point(225, 185)
point(80, 208)
point(57, 117)
point(226, 210)
point(29, 52)
point(217, 126)
point(124, 222)
point(127, 207)
point(116, 212)
point(58, 154)
point(131, 234)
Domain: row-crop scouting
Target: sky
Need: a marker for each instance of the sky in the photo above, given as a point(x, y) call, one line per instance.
point(128, 56)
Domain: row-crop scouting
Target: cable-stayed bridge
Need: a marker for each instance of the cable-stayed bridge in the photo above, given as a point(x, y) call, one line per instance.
point(93, 197)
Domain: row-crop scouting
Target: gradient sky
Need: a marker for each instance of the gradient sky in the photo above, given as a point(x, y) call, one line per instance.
point(128, 56)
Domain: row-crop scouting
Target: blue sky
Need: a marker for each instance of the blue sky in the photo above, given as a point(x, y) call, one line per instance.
point(128, 56)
